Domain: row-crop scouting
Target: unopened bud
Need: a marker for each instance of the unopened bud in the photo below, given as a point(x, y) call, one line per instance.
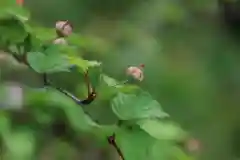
point(60, 41)
point(64, 28)
point(20, 2)
point(135, 72)
point(193, 145)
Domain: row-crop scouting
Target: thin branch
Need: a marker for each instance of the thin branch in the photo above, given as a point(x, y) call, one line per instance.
point(112, 141)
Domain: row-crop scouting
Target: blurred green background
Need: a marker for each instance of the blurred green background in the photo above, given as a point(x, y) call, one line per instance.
point(191, 53)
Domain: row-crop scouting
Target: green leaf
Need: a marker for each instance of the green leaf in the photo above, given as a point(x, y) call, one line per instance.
point(109, 80)
point(75, 115)
point(48, 63)
point(76, 39)
point(134, 144)
point(94, 75)
point(71, 51)
point(83, 65)
point(161, 130)
point(136, 106)
point(20, 145)
point(17, 12)
point(5, 124)
point(12, 30)
point(137, 145)
point(44, 34)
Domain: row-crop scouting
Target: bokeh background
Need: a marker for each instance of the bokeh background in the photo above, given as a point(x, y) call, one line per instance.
point(192, 55)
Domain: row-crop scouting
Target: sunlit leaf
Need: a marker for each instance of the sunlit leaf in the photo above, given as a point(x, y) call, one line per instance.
point(82, 64)
point(161, 130)
point(48, 63)
point(134, 145)
point(44, 34)
point(136, 106)
point(137, 145)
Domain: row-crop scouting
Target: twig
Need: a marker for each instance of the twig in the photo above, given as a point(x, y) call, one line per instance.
point(112, 141)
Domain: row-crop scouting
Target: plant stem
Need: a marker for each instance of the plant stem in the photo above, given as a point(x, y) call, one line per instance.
point(112, 141)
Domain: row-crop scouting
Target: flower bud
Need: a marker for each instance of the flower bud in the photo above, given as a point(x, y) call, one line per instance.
point(64, 28)
point(135, 72)
point(193, 145)
point(60, 41)
point(20, 2)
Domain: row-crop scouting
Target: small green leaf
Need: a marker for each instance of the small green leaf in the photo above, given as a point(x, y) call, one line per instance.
point(161, 130)
point(48, 63)
point(119, 86)
point(141, 105)
point(83, 65)
point(109, 80)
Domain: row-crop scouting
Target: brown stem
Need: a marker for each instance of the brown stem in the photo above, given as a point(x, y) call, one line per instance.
point(112, 141)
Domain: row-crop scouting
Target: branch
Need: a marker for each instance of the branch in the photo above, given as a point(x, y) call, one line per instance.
point(112, 141)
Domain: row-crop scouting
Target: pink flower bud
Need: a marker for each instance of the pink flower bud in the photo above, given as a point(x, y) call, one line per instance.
point(135, 72)
point(64, 27)
point(60, 41)
point(193, 145)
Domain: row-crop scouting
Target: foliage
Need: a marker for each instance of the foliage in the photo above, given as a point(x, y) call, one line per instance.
point(144, 129)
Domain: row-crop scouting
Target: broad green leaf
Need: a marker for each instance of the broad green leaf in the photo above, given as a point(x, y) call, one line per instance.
point(161, 130)
point(137, 145)
point(44, 34)
point(18, 12)
point(106, 92)
point(12, 30)
point(136, 106)
point(20, 145)
point(134, 144)
point(48, 63)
